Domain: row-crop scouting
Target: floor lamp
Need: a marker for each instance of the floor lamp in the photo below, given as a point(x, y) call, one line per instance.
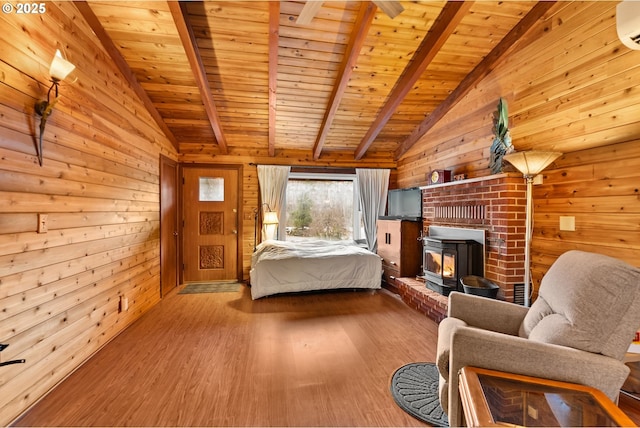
point(530, 164)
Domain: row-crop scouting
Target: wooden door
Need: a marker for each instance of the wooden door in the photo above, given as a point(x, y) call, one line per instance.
point(168, 225)
point(210, 214)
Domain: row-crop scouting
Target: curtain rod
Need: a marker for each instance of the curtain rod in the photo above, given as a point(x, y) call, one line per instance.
point(316, 166)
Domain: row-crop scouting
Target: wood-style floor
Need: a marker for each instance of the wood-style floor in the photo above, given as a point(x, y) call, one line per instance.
point(320, 359)
point(221, 359)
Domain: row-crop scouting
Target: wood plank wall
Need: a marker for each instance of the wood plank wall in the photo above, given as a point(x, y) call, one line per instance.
point(599, 187)
point(59, 291)
point(571, 87)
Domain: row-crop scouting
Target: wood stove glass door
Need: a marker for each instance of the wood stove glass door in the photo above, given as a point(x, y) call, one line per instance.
point(449, 265)
point(433, 262)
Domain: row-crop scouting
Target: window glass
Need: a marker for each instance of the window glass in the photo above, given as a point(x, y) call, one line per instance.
point(322, 209)
point(211, 189)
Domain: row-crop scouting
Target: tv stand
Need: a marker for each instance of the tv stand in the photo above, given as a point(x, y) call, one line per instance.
point(400, 247)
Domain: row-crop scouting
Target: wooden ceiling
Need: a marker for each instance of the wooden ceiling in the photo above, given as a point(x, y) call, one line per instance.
point(245, 77)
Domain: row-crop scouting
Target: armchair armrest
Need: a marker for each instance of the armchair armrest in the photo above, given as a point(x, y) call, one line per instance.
point(485, 349)
point(490, 350)
point(488, 314)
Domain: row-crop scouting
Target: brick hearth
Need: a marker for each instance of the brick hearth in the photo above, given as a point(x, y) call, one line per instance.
point(415, 294)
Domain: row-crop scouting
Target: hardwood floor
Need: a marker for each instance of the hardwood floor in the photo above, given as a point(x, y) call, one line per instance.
point(630, 404)
point(221, 359)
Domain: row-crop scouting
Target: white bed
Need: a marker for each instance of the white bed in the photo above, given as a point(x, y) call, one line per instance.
point(284, 267)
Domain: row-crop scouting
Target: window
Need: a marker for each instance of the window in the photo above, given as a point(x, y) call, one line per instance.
point(211, 189)
point(322, 206)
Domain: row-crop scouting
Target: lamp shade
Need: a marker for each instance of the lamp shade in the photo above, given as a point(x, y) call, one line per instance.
point(60, 67)
point(531, 163)
point(270, 217)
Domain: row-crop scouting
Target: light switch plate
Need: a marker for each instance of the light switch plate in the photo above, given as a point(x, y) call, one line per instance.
point(568, 223)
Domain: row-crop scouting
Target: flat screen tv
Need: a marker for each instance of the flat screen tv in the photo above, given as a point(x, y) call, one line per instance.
point(405, 203)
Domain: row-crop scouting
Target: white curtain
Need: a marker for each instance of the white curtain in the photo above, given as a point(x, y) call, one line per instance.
point(272, 180)
point(373, 185)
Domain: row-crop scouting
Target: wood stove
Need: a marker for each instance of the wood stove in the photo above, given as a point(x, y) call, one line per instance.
point(445, 261)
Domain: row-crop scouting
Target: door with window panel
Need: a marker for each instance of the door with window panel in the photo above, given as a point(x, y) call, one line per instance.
point(210, 213)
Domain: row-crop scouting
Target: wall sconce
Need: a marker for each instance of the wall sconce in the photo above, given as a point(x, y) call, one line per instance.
point(530, 164)
point(3, 346)
point(59, 70)
point(270, 220)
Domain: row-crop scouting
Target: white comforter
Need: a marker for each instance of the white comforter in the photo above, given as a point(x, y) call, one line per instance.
point(284, 266)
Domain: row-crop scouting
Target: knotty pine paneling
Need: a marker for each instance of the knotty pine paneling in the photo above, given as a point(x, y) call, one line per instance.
point(60, 290)
point(572, 87)
point(599, 187)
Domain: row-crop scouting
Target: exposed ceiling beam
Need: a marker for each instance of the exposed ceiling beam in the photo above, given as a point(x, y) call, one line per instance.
point(390, 7)
point(274, 28)
point(308, 12)
point(88, 15)
point(445, 24)
point(180, 17)
point(506, 45)
point(361, 29)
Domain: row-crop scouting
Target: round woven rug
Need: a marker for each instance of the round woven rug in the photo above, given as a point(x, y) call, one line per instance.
point(415, 389)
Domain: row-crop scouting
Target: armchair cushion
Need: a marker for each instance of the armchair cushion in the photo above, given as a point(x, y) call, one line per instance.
point(582, 301)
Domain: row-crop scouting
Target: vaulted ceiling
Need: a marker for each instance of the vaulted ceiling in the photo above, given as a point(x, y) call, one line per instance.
point(237, 77)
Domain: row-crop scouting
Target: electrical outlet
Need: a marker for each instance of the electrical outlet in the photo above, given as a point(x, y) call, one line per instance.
point(43, 223)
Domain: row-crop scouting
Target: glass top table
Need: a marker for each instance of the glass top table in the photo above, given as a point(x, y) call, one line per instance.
point(492, 398)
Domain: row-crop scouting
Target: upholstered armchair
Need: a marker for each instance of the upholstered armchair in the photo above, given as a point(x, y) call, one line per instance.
point(578, 329)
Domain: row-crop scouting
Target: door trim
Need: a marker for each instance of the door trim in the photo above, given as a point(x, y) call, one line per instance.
point(240, 235)
point(164, 160)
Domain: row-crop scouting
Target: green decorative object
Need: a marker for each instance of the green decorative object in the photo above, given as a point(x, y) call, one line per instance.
point(502, 139)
